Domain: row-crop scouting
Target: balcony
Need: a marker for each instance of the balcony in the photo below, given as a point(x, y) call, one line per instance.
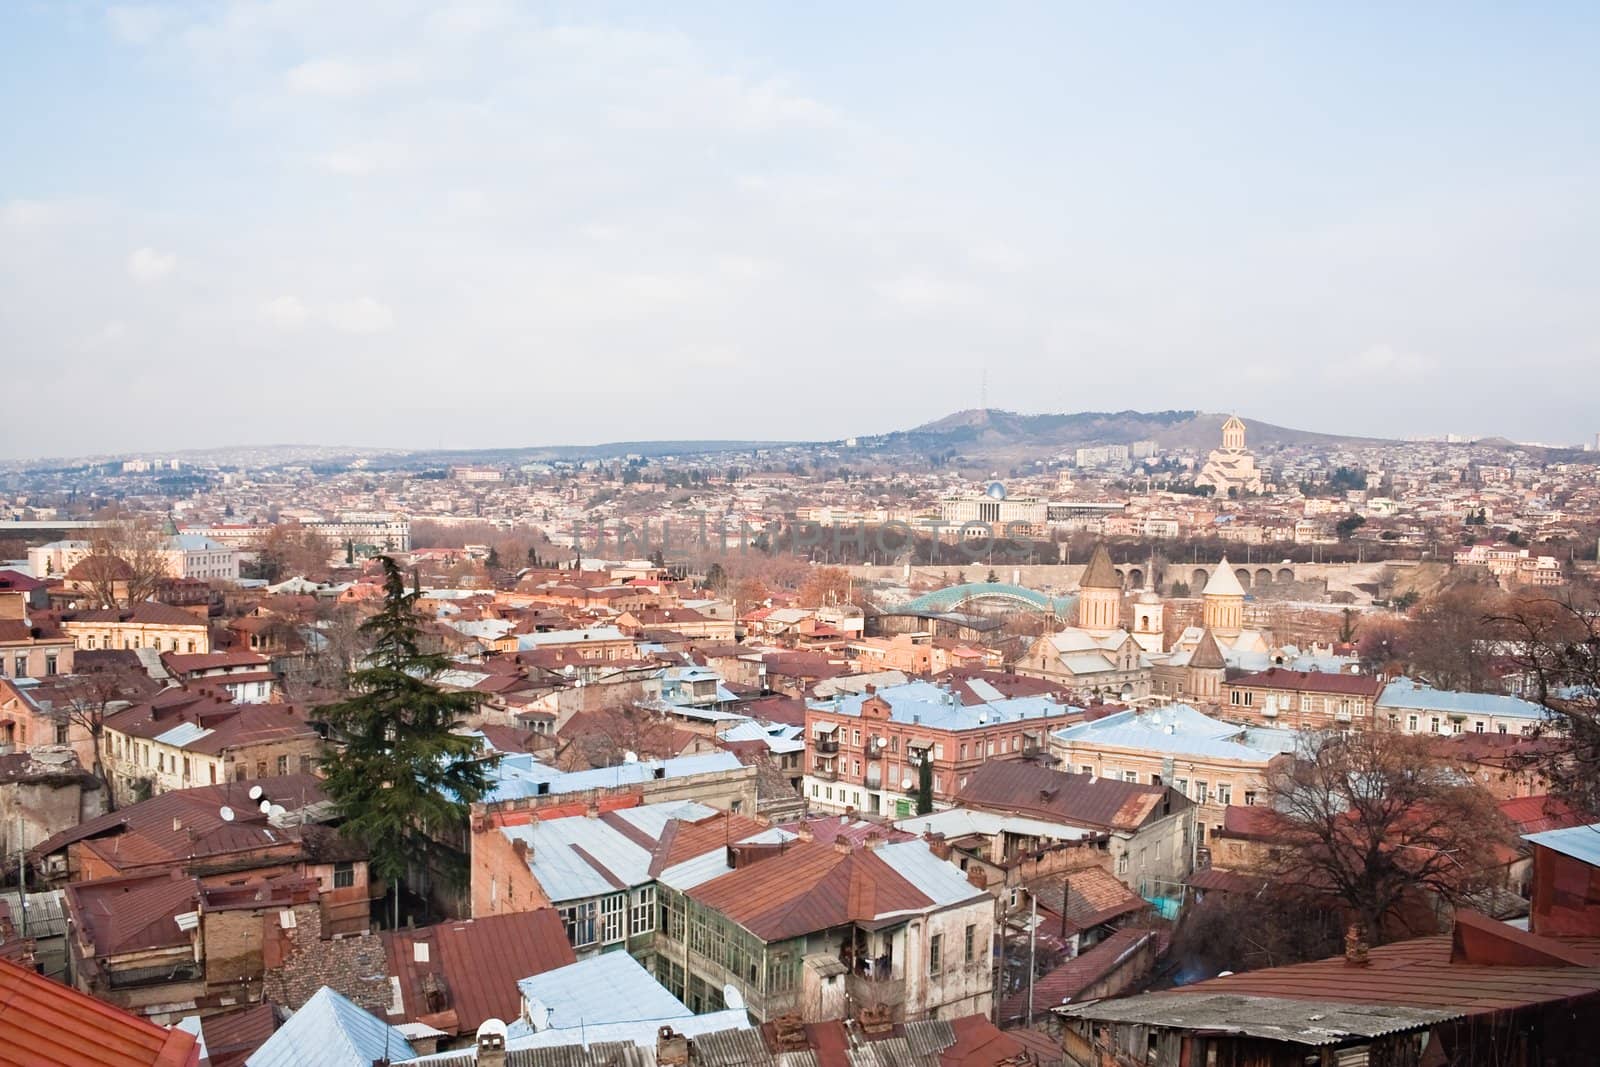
point(1341, 716)
point(826, 744)
point(825, 771)
point(872, 990)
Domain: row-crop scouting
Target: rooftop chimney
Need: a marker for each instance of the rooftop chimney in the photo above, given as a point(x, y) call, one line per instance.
point(492, 1043)
point(672, 1048)
point(1355, 946)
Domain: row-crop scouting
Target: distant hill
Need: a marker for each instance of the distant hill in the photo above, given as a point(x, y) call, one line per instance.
point(988, 429)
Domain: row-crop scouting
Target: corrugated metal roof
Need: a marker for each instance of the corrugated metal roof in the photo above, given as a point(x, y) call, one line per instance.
point(640, 1032)
point(960, 822)
point(1179, 729)
point(49, 1023)
point(331, 1031)
point(480, 960)
point(1076, 799)
point(1406, 695)
point(610, 988)
point(815, 886)
point(941, 709)
point(1301, 1022)
point(1582, 843)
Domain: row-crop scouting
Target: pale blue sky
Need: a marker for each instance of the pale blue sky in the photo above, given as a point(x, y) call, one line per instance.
point(496, 224)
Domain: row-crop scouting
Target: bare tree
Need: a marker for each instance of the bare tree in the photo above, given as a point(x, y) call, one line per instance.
point(1556, 642)
point(86, 699)
point(1447, 634)
point(127, 562)
point(1372, 817)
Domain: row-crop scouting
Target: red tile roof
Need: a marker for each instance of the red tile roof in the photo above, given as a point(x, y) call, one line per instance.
point(1535, 814)
point(43, 1023)
point(1094, 897)
point(478, 962)
point(147, 612)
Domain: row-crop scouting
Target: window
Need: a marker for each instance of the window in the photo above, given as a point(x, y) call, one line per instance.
point(1130, 776)
point(938, 750)
point(213, 774)
point(19, 666)
point(963, 751)
point(935, 953)
point(971, 942)
point(642, 913)
point(50, 663)
point(161, 761)
point(1249, 798)
point(1411, 724)
point(1433, 724)
point(61, 732)
point(186, 768)
point(579, 921)
point(89, 641)
point(1155, 779)
point(1084, 768)
point(344, 875)
point(238, 772)
point(1200, 791)
point(1122, 863)
point(283, 765)
point(1501, 728)
point(1477, 727)
point(1224, 794)
point(1181, 785)
point(611, 909)
point(855, 738)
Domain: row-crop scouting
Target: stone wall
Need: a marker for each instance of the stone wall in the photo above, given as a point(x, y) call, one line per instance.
point(302, 962)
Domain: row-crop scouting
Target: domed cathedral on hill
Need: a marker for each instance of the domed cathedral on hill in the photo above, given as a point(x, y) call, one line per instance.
point(1231, 468)
point(1096, 655)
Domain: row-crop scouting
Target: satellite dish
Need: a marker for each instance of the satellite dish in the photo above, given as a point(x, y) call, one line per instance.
point(266, 806)
point(226, 813)
point(630, 756)
point(277, 811)
point(882, 742)
point(732, 998)
point(905, 783)
point(255, 792)
point(538, 1015)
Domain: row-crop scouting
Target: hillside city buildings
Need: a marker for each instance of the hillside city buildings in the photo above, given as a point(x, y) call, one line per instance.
point(825, 753)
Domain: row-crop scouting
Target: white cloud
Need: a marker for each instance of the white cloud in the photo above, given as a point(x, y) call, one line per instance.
point(106, 335)
point(137, 23)
point(26, 214)
point(360, 160)
point(363, 315)
point(285, 312)
point(147, 266)
point(1383, 362)
point(343, 77)
point(921, 292)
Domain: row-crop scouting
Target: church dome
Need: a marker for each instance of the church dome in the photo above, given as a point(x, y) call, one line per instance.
point(996, 491)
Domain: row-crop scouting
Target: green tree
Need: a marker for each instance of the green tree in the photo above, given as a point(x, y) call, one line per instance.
point(1347, 526)
point(493, 562)
point(398, 772)
point(925, 785)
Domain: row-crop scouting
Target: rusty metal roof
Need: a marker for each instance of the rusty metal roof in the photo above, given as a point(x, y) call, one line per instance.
point(480, 962)
point(810, 887)
point(1076, 799)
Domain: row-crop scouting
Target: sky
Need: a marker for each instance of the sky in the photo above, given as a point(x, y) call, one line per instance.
point(496, 224)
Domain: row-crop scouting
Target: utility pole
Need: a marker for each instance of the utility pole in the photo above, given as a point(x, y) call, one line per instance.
point(22, 888)
point(1033, 942)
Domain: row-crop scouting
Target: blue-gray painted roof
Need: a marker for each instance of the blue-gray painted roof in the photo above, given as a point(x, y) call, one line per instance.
point(940, 709)
point(1403, 694)
point(1582, 843)
point(331, 1031)
point(1180, 730)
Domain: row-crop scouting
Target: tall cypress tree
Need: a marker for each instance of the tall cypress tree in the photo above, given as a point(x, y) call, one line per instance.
point(394, 768)
point(925, 784)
